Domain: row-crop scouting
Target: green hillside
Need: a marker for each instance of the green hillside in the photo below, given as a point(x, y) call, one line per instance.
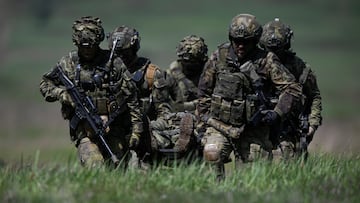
point(36, 33)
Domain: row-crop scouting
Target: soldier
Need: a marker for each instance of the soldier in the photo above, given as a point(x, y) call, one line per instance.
point(108, 88)
point(186, 70)
point(276, 37)
point(152, 83)
point(232, 95)
point(185, 73)
point(150, 80)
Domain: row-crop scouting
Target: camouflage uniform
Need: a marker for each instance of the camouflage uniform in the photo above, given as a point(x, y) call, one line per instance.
point(186, 70)
point(110, 89)
point(175, 133)
point(235, 72)
point(151, 81)
point(276, 37)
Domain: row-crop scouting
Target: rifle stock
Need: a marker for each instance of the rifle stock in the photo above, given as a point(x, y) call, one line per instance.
point(85, 110)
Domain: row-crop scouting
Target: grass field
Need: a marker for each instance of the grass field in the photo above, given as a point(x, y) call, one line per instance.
point(322, 179)
point(326, 36)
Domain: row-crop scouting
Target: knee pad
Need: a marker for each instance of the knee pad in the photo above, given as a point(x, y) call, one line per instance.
point(212, 153)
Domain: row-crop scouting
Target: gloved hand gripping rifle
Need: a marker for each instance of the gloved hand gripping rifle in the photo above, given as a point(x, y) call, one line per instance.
point(264, 104)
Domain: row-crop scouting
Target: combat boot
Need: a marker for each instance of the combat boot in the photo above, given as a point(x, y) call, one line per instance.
point(186, 133)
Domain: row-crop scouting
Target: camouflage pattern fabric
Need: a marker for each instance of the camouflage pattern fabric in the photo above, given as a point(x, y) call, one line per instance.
point(277, 37)
point(312, 106)
point(185, 71)
point(87, 31)
point(154, 99)
point(85, 76)
point(185, 88)
point(259, 65)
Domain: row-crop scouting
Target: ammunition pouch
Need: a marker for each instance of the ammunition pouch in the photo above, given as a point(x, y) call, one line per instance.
point(252, 106)
point(102, 106)
point(106, 107)
point(231, 112)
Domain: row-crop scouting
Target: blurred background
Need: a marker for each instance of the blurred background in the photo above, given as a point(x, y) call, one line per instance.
point(35, 34)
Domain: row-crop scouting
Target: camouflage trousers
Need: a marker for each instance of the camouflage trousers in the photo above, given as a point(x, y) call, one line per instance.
point(91, 151)
point(218, 147)
point(175, 135)
point(286, 149)
point(167, 130)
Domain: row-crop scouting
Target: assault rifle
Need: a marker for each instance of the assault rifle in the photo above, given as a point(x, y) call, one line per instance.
point(304, 129)
point(85, 110)
point(264, 105)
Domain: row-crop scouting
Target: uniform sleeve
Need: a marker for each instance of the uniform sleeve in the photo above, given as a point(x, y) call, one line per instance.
point(129, 88)
point(50, 86)
point(206, 86)
point(160, 94)
point(315, 118)
point(285, 83)
point(173, 85)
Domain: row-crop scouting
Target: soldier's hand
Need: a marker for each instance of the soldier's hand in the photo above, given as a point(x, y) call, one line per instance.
point(310, 134)
point(270, 117)
point(65, 98)
point(105, 119)
point(134, 140)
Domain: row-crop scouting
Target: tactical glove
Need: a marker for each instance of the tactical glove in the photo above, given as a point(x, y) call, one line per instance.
point(310, 134)
point(270, 117)
point(134, 140)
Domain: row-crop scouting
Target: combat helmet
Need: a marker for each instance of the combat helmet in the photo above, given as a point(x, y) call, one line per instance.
point(124, 37)
point(87, 31)
point(192, 48)
point(276, 35)
point(245, 27)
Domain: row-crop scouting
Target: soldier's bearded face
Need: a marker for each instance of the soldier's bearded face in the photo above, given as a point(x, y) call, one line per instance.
point(243, 47)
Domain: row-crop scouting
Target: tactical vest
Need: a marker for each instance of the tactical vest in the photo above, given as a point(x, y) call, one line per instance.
point(100, 84)
point(232, 88)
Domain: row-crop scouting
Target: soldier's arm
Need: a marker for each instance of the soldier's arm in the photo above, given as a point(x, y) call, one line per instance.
point(285, 83)
point(175, 95)
point(160, 94)
point(205, 87)
point(50, 86)
point(315, 117)
point(129, 88)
